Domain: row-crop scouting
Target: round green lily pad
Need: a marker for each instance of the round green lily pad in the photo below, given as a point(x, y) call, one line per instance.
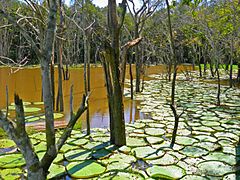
point(118, 166)
point(31, 109)
point(55, 116)
point(219, 156)
point(135, 142)
point(78, 142)
point(154, 140)
point(155, 131)
point(119, 157)
point(194, 177)
point(167, 159)
point(85, 169)
point(118, 175)
point(78, 155)
point(11, 160)
point(147, 152)
point(182, 140)
point(192, 151)
point(166, 172)
point(101, 154)
point(210, 123)
point(56, 171)
point(206, 138)
point(10, 174)
point(6, 143)
point(32, 118)
point(125, 149)
point(24, 103)
point(214, 168)
point(67, 147)
point(38, 103)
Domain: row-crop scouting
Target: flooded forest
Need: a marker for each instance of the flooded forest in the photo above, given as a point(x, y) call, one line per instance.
point(120, 89)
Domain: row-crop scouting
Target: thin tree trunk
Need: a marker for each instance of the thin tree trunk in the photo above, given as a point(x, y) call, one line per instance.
point(219, 88)
point(231, 65)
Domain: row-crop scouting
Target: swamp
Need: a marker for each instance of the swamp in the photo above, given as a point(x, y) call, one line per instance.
point(114, 90)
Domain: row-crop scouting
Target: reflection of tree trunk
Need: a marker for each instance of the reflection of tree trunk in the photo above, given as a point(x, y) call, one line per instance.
point(131, 75)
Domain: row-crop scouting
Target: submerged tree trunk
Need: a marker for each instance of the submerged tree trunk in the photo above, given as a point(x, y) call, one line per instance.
point(219, 88)
point(174, 56)
point(59, 102)
point(231, 65)
point(112, 57)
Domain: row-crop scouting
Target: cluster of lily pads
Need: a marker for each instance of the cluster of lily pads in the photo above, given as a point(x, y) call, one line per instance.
point(33, 111)
point(206, 144)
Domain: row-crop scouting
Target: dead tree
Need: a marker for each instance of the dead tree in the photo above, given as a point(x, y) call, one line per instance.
point(16, 130)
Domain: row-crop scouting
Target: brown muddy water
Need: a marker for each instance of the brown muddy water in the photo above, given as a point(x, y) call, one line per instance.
point(27, 83)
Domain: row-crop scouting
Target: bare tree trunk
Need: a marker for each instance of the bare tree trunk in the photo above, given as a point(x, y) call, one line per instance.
point(174, 56)
point(114, 58)
point(86, 77)
point(59, 102)
point(219, 88)
point(231, 65)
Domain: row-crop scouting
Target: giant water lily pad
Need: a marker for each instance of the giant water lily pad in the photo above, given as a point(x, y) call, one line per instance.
point(208, 146)
point(78, 155)
point(32, 118)
point(119, 157)
point(205, 138)
point(101, 154)
point(210, 123)
point(27, 109)
point(78, 142)
point(166, 172)
point(118, 166)
point(214, 168)
point(11, 161)
point(192, 151)
point(147, 152)
point(6, 143)
point(24, 103)
point(116, 175)
point(167, 159)
point(10, 174)
point(56, 171)
point(182, 140)
point(135, 142)
point(67, 147)
point(155, 131)
point(194, 177)
point(218, 156)
point(154, 140)
point(85, 169)
point(55, 116)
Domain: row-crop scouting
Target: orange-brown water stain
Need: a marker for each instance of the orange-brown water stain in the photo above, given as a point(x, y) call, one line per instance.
point(27, 83)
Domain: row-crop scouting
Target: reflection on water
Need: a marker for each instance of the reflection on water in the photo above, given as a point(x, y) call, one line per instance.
point(27, 83)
